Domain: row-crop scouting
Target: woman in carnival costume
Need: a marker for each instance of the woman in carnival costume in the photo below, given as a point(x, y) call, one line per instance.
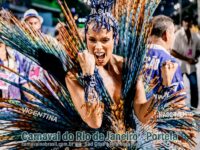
point(99, 89)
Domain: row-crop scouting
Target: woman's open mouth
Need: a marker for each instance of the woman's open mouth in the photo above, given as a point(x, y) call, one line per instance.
point(100, 56)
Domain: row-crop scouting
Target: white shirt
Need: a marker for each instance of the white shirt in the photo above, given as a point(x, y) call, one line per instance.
point(188, 50)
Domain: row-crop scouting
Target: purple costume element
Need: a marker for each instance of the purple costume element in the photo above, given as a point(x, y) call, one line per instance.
point(24, 67)
point(16, 62)
point(154, 61)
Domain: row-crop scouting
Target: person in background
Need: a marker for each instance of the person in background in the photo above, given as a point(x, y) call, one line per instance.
point(186, 48)
point(16, 62)
point(157, 64)
point(59, 28)
point(10, 59)
point(32, 18)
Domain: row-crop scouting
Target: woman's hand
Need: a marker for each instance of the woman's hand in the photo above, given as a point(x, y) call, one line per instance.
point(167, 72)
point(87, 62)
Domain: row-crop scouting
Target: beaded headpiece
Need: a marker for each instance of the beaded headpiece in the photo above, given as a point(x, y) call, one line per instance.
point(102, 17)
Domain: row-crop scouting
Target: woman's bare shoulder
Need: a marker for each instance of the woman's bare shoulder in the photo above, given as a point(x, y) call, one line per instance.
point(118, 58)
point(116, 63)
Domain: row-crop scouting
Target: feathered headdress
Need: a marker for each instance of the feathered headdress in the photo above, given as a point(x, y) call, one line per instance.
point(102, 17)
